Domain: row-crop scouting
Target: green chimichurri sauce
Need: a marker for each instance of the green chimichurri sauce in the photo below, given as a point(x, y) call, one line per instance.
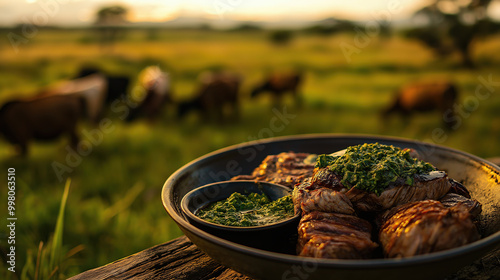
point(247, 210)
point(373, 167)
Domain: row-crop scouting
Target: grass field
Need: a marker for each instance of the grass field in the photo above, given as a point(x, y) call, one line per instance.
point(114, 206)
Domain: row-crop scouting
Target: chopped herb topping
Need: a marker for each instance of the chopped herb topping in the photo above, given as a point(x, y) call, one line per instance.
point(247, 210)
point(373, 167)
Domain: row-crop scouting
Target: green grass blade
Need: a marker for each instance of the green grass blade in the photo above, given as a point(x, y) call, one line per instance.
point(28, 267)
point(55, 254)
point(124, 203)
point(39, 257)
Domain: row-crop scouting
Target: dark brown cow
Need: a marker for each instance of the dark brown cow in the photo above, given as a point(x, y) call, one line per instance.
point(279, 84)
point(42, 118)
point(217, 94)
point(425, 97)
point(117, 86)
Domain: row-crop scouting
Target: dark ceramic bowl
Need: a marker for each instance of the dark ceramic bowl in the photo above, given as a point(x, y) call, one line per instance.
point(479, 176)
point(264, 237)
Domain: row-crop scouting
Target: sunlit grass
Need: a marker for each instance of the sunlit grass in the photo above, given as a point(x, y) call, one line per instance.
point(114, 208)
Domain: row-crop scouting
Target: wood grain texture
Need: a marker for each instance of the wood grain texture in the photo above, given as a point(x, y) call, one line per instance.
point(180, 259)
point(177, 259)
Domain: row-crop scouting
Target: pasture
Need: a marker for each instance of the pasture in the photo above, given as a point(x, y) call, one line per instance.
point(114, 208)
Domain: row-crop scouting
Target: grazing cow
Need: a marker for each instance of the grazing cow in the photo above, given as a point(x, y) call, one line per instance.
point(217, 93)
point(42, 118)
point(151, 94)
point(279, 84)
point(91, 88)
point(117, 86)
point(425, 97)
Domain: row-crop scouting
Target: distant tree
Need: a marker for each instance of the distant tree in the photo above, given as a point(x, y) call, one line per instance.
point(452, 25)
point(109, 22)
point(204, 27)
point(281, 37)
point(246, 27)
point(385, 29)
point(330, 26)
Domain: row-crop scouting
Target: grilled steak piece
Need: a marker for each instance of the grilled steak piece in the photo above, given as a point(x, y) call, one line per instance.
point(468, 204)
point(335, 236)
point(433, 186)
point(423, 227)
point(285, 169)
point(324, 177)
point(308, 197)
point(458, 188)
point(329, 227)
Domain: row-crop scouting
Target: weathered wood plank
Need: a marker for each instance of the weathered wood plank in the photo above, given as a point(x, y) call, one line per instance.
point(487, 268)
point(180, 259)
point(177, 259)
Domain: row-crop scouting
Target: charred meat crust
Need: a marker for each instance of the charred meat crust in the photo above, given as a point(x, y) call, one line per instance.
point(308, 197)
point(423, 227)
point(286, 169)
point(335, 236)
point(423, 188)
point(458, 201)
point(459, 189)
point(329, 227)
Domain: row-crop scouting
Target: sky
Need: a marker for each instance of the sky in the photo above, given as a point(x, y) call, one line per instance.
point(82, 12)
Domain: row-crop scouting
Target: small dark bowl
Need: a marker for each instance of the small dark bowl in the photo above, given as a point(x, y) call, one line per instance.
point(277, 235)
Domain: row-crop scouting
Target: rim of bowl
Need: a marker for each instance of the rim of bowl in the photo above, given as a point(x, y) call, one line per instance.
point(185, 208)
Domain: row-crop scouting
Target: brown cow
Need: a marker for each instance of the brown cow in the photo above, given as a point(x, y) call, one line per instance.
point(278, 84)
point(42, 118)
point(425, 97)
point(151, 94)
point(91, 88)
point(217, 93)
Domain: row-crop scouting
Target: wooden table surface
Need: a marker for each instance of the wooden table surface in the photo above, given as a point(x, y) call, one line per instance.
point(176, 259)
point(181, 259)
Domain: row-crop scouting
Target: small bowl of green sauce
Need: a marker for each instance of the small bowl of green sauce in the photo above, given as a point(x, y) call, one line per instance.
point(239, 210)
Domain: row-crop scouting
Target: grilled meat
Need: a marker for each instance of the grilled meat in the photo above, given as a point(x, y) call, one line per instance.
point(468, 204)
point(324, 177)
point(308, 197)
point(286, 169)
point(458, 188)
point(329, 227)
point(433, 186)
point(423, 227)
point(424, 187)
point(334, 236)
